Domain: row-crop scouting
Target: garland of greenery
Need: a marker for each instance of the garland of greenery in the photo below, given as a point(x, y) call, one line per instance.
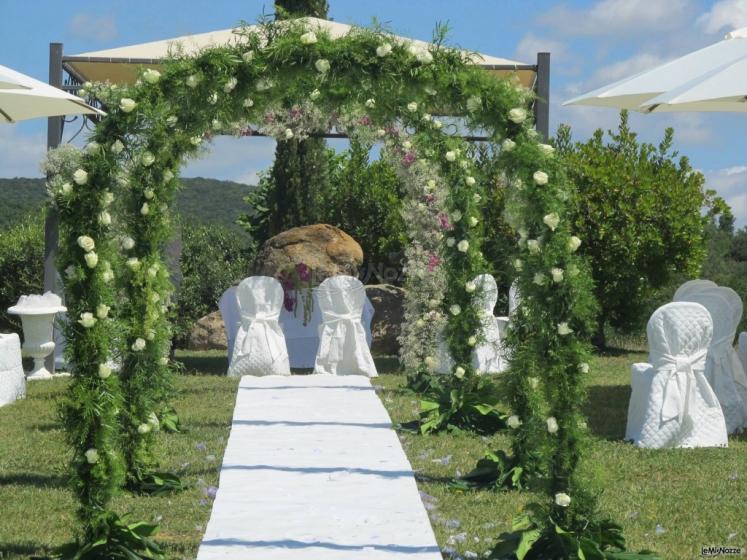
point(372, 86)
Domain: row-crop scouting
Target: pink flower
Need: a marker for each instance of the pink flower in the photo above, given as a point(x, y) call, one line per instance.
point(444, 220)
point(270, 117)
point(364, 121)
point(409, 158)
point(433, 262)
point(304, 272)
point(295, 112)
point(429, 198)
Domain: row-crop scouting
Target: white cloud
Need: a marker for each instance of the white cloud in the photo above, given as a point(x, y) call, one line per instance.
point(100, 28)
point(20, 154)
point(531, 44)
point(618, 17)
point(731, 184)
point(233, 159)
point(724, 15)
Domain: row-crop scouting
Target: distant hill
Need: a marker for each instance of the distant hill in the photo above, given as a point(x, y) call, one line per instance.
point(204, 200)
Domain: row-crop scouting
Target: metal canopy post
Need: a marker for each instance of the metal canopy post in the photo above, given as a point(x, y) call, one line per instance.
point(51, 225)
point(542, 90)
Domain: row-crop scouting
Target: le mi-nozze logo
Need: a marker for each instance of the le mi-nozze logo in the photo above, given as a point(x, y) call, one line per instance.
point(720, 550)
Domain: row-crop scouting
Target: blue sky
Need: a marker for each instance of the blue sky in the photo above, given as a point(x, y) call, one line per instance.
point(592, 43)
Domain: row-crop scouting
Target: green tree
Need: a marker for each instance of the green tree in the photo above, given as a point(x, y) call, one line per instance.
point(638, 214)
point(299, 176)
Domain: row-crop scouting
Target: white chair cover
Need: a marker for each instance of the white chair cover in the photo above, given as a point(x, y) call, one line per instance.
point(260, 345)
point(343, 349)
point(12, 378)
point(724, 369)
point(229, 311)
point(489, 355)
point(742, 349)
point(671, 403)
point(514, 298)
point(692, 287)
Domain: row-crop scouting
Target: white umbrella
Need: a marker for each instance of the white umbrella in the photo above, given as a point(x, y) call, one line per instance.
point(710, 79)
point(23, 97)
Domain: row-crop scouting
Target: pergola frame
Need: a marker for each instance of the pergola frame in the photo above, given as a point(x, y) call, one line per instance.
point(59, 64)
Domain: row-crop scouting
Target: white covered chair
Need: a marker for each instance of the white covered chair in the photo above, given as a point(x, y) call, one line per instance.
point(724, 370)
point(671, 403)
point(489, 355)
point(260, 345)
point(514, 298)
point(12, 378)
point(343, 349)
point(742, 349)
point(229, 312)
point(692, 287)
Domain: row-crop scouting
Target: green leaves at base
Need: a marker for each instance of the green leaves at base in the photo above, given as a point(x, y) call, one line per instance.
point(115, 539)
point(495, 470)
point(470, 405)
point(169, 420)
point(535, 535)
point(160, 483)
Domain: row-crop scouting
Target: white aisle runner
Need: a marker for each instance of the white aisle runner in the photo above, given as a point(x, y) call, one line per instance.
point(314, 471)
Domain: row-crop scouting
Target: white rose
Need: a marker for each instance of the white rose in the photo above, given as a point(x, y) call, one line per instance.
point(562, 499)
point(107, 276)
point(370, 103)
point(552, 425)
point(564, 329)
point(164, 361)
point(263, 84)
point(437, 124)
point(470, 287)
point(92, 456)
point(133, 263)
point(431, 183)
point(433, 303)
point(102, 310)
point(459, 372)
point(168, 175)
point(104, 371)
point(547, 149)
point(456, 215)
point(153, 271)
point(412, 106)
point(474, 103)
point(583, 367)
point(424, 56)
point(450, 242)
point(455, 309)
point(519, 265)
point(288, 134)
point(471, 341)
point(533, 382)
point(470, 181)
point(551, 220)
point(249, 102)
point(213, 98)
point(450, 156)
point(143, 429)
point(80, 177)
point(574, 243)
point(105, 218)
point(383, 50)
point(138, 345)
point(308, 38)
point(420, 323)
point(431, 362)
point(248, 56)
point(92, 259)
point(557, 275)
point(322, 65)
point(92, 147)
point(171, 121)
point(196, 140)
point(147, 159)
point(151, 76)
point(145, 209)
point(127, 105)
point(473, 221)
point(534, 246)
point(192, 81)
point(230, 84)
point(427, 117)
point(381, 132)
point(128, 243)
point(86, 243)
point(539, 279)
point(513, 422)
point(87, 320)
point(66, 188)
point(107, 199)
point(540, 177)
point(463, 246)
point(517, 115)
point(150, 335)
point(476, 197)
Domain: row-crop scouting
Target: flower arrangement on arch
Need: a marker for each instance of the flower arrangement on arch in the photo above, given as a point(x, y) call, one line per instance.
point(297, 284)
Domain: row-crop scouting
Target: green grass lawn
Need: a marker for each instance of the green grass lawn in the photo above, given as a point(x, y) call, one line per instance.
point(673, 501)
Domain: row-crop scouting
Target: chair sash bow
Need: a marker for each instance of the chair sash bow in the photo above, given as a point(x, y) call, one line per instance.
point(257, 327)
point(683, 379)
point(336, 326)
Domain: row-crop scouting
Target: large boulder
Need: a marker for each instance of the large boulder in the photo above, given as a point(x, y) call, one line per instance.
point(326, 250)
point(388, 302)
point(208, 333)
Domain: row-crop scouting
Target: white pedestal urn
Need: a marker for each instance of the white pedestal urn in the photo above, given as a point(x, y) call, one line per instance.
point(37, 314)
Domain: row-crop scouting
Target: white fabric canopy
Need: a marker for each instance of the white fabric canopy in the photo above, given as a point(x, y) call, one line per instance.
point(671, 402)
point(98, 65)
point(710, 79)
point(22, 97)
point(259, 348)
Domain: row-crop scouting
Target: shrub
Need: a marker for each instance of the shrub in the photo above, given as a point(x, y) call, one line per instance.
point(213, 259)
point(21, 265)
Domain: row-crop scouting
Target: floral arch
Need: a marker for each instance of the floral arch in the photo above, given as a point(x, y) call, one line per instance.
point(114, 206)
